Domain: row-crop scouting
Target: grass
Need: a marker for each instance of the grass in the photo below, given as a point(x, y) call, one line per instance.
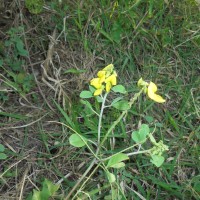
point(156, 40)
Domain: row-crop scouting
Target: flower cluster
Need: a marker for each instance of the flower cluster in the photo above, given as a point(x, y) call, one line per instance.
point(151, 89)
point(106, 78)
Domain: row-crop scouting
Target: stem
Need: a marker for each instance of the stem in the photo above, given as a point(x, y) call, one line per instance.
point(100, 118)
point(80, 180)
point(87, 179)
point(121, 116)
point(104, 139)
point(138, 152)
point(102, 160)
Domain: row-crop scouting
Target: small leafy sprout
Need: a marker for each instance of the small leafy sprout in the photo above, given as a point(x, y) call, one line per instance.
point(150, 89)
point(3, 156)
point(48, 190)
point(106, 78)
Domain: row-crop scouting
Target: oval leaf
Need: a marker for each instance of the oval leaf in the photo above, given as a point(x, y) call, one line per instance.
point(121, 105)
point(157, 160)
point(3, 156)
point(111, 177)
point(116, 100)
point(2, 148)
point(99, 99)
point(140, 136)
point(118, 165)
point(76, 141)
point(144, 129)
point(86, 94)
point(119, 88)
point(116, 159)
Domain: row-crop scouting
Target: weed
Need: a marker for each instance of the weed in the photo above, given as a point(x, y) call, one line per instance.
point(34, 6)
point(48, 190)
point(101, 86)
point(12, 64)
point(3, 156)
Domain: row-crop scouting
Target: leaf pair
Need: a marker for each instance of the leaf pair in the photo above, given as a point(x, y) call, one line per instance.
point(115, 162)
point(141, 135)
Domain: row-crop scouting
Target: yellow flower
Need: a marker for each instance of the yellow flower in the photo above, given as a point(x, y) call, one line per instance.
point(110, 81)
point(107, 77)
point(98, 92)
point(151, 91)
point(109, 68)
point(96, 82)
point(108, 86)
point(102, 75)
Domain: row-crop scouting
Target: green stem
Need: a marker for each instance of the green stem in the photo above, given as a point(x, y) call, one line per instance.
point(81, 179)
point(121, 116)
point(102, 160)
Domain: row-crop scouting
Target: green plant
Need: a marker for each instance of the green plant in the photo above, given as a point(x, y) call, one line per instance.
point(11, 64)
point(103, 140)
point(48, 190)
point(3, 156)
point(34, 6)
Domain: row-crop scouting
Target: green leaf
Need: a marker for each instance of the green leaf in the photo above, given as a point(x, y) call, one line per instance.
point(76, 141)
point(92, 89)
point(20, 48)
point(140, 136)
point(118, 165)
point(116, 159)
point(2, 148)
point(144, 129)
point(116, 100)
point(120, 89)
point(149, 119)
point(34, 6)
point(20, 78)
point(111, 177)
point(48, 188)
point(3, 156)
point(86, 94)
point(36, 195)
point(99, 99)
point(88, 105)
point(121, 105)
point(74, 71)
point(13, 115)
point(157, 160)
point(1, 62)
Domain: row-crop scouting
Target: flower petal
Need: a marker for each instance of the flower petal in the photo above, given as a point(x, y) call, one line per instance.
point(98, 92)
point(157, 98)
point(112, 79)
point(109, 68)
point(96, 83)
point(108, 86)
point(101, 73)
point(152, 88)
